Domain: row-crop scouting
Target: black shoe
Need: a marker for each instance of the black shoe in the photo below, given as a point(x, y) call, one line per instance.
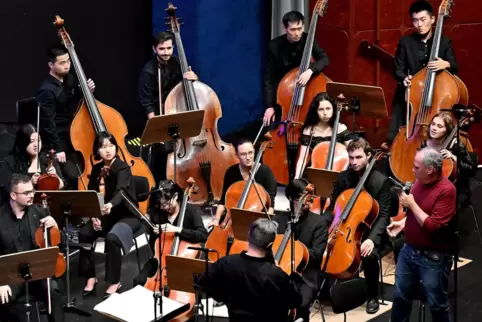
point(372, 306)
point(107, 295)
point(91, 292)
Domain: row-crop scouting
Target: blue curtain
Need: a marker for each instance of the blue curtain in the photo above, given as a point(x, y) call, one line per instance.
point(225, 44)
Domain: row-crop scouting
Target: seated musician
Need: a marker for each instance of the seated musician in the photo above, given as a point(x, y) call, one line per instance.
point(163, 212)
point(20, 218)
point(426, 259)
point(312, 231)
point(238, 172)
point(318, 128)
point(252, 286)
point(25, 158)
point(118, 222)
point(378, 186)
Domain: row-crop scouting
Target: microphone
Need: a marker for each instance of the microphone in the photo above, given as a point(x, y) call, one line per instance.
point(158, 190)
point(202, 249)
point(406, 188)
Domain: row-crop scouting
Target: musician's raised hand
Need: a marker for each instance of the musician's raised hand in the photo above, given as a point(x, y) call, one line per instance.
point(5, 293)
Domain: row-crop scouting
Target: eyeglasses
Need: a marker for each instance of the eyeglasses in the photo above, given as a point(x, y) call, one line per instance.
point(246, 154)
point(28, 192)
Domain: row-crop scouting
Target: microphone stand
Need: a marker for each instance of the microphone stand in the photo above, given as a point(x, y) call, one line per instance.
point(158, 294)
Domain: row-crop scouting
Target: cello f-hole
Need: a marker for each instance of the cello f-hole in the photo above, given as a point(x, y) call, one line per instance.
point(348, 240)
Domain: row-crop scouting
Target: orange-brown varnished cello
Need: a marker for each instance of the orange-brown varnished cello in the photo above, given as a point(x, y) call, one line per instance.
point(177, 247)
point(244, 195)
point(284, 245)
point(93, 117)
point(429, 92)
point(48, 181)
point(355, 211)
point(295, 101)
point(204, 157)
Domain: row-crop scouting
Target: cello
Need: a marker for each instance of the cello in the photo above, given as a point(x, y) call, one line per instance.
point(93, 117)
point(204, 157)
point(244, 195)
point(430, 91)
point(295, 101)
point(355, 211)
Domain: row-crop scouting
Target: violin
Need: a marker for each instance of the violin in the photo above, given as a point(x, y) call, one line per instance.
point(283, 254)
point(428, 93)
point(244, 195)
point(48, 181)
point(355, 212)
point(45, 238)
point(295, 101)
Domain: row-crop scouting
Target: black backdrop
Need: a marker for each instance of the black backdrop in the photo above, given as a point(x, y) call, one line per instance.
point(111, 37)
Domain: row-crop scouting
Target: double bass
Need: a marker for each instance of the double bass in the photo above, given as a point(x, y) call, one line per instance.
point(429, 92)
point(244, 195)
point(93, 117)
point(359, 211)
point(204, 157)
point(295, 101)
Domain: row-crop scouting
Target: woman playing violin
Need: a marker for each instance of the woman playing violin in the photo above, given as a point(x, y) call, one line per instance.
point(25, 158)
point(441, 126)
point(118, 223)
point(319, 128)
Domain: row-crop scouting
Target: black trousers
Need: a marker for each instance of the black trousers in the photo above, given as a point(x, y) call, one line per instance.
point(308, 288)
point(371, 271)
point(399, 110)
point(158, 161)
point(37, 292)
point(113, 246)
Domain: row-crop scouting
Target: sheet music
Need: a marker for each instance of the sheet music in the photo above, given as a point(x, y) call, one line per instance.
point(219, 312)
point(135, 305)
point(101, 199)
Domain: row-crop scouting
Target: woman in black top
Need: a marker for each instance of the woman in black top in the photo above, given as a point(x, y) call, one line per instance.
point(319, 128)
point(118, 224)
point(24, 158)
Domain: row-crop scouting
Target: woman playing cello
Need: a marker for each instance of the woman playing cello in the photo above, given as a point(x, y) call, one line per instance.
point(318, 127)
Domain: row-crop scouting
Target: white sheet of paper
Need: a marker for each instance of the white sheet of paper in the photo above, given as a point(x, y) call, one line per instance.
point(219, 312)
point(135, 305)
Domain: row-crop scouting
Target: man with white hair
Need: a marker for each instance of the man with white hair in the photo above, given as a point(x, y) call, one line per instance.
point(426, 257)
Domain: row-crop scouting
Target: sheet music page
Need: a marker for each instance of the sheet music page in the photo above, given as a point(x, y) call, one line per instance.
point(135, 305)
point(101, 199)
point(219, 312)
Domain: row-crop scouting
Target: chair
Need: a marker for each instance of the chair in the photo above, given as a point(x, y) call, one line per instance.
point(471, 207)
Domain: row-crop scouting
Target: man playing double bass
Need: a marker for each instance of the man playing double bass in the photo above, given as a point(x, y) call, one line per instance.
point(412, 55)
point(163, 65)
point(284, 54)
point(378, 186)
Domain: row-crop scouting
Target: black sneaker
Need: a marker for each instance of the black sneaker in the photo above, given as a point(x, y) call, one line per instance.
point(372, 306)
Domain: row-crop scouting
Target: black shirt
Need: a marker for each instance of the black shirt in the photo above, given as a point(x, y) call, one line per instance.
point(148, 87)
point(284, 56)
point(264, 176)
point(193, 230)
point(58, 103)
point(378, 186)
point(254, 289)
point(17, 235)
point(413, 55)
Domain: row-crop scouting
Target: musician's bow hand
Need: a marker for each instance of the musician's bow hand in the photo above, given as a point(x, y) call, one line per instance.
point(305, 77)
point(438, 64)
point(5, 293)
point(407, 81)
point(406, 200)
point(48, 222)
point(107, 208)
point(96, 224)
point(367, 247)
point(395, 228)
point(168, 228)
point(268, 116)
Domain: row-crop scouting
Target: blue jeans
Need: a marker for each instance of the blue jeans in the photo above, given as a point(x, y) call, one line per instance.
point(421, 270)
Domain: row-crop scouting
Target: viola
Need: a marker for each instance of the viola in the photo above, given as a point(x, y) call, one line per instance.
point(204, 157)
point(45, 238)
point(48, 181)
point(244, 195)
point(429, 92)
point(104, 172)
point(355, 212)
point(93, 117)
point(295, 101)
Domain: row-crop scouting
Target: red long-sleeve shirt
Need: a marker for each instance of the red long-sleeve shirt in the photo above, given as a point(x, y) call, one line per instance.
point(437, 200)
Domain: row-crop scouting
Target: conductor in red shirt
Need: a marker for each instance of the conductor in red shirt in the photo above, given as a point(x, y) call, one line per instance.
point(427, 255)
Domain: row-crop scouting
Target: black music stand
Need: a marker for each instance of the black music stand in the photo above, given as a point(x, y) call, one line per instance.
point(26, 267)
point(72, 203)
point(323, 180)
point(179, 269)
point(171, 127)
point(365, 100)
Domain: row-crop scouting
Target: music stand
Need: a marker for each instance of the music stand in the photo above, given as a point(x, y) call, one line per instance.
point(26, 267)
point(164, 128)
point(365, 100)
point(241, 220)
point(321, 179)
point(72, 203)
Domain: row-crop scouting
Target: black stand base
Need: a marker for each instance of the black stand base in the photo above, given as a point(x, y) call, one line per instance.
point(71, 308)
